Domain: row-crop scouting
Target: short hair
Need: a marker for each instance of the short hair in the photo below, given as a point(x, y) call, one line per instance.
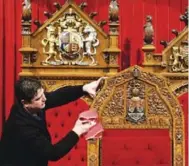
point(26, 88)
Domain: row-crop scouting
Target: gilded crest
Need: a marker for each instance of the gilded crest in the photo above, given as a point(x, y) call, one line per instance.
point(70, 41)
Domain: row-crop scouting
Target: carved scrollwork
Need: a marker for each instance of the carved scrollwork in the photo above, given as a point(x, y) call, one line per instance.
point(115, 106)
point(155, 104)
point(165, 92)
point(102, 97)
point(160, 82)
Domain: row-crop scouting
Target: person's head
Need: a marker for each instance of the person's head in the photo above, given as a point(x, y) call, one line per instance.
point(30, 93)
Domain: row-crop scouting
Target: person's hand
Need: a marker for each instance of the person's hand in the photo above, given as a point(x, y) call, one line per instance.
point(91, 88)
point(83, 126)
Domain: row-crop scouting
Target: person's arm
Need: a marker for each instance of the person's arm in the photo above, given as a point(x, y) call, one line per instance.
point(64, 95)
point(35, 141)
point(70, 93)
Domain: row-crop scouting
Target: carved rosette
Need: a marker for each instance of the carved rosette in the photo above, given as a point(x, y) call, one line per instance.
point(154, 100)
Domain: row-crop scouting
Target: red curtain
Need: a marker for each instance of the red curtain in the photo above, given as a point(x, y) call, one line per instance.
point(165, 14)
point(10, 58)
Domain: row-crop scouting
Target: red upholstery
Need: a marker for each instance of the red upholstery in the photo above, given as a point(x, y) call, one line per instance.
point(136, 148)
point(60, 121)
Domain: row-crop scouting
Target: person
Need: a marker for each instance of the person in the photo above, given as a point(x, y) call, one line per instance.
point(25, 139)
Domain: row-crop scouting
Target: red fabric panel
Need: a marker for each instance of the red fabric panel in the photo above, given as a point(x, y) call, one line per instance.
point(174, 14)
point(184, 103)
point(35, 13)
point(18, 40)
point(1, 65)
point(136, 147)
point(9, 55)
point(125, 30)
point(162, 25)
point(59, 122)
point(131, 40)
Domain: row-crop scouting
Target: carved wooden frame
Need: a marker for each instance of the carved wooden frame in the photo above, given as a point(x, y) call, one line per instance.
point(172, 118)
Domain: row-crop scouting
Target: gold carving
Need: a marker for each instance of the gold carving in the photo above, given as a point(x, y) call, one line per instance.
point(161, 109)
point(70, 41)
point(155, 104)
point(116, 103)
point(179, 59)
point(93, 152)
point(160, 82)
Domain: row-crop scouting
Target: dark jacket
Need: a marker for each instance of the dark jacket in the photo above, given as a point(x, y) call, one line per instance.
point(25, 140)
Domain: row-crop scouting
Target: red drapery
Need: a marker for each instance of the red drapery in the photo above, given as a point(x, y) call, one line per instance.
point(165, 14)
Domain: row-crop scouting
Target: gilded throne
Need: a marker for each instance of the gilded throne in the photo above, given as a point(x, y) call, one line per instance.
point(143, 121)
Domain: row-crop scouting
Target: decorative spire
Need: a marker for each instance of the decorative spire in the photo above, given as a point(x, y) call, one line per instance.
point(175, 32)
point(57, 5)
point(47, 14)
point(184, 17)
point(113, 11)
point(26, 11)
point(37, 23)
point(83, 5)
point(148, 30)
point(164, 43)
point(92, 14)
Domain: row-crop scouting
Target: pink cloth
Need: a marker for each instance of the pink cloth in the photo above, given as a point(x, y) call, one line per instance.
point(95, 131)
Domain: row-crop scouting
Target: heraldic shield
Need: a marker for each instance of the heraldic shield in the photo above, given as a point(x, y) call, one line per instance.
point(70, 45)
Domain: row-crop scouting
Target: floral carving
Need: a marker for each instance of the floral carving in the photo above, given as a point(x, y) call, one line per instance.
point(153, 79)
point(115, 105)
point(155, 104)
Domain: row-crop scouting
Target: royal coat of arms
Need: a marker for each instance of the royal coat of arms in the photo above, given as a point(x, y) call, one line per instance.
point(70, 41)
